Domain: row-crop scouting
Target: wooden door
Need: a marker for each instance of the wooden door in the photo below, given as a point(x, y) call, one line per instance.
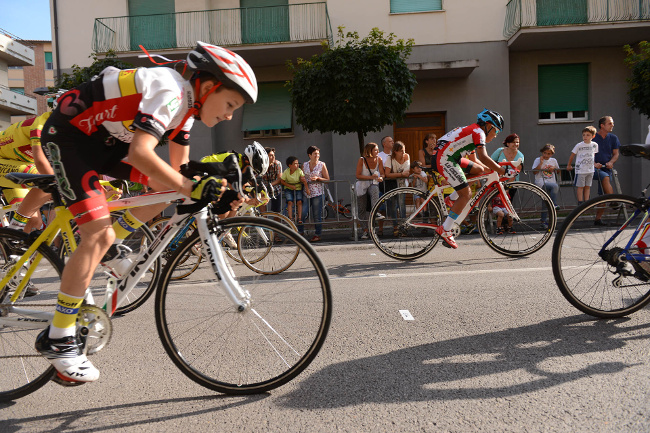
point(415, 127)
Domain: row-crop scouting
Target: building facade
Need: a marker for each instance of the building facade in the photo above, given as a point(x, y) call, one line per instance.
point(551, 67)
point(14, 53)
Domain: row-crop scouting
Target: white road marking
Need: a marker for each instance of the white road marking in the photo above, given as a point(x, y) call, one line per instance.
point(406, 315)
point(440, 273)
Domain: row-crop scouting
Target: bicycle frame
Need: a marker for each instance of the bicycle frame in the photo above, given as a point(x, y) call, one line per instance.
point(630, 256)
point(492, 181)
point(118, 288)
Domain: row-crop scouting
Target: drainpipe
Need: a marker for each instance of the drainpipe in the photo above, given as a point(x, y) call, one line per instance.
point(56, 40)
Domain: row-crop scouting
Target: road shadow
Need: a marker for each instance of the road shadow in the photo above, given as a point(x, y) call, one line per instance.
point(129, 416)
point(499, 364)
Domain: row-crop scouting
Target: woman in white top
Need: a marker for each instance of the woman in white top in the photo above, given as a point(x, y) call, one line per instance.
point(370, 172)
point(316, 173)
point(398, 166)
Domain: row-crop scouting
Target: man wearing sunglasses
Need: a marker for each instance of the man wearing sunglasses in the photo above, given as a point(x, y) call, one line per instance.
point(452, 151)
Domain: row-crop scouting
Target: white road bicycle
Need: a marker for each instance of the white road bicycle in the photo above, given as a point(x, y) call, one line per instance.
point(226, 327)
point(411, 217)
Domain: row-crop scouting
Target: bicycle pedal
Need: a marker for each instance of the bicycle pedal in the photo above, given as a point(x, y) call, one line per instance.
point(32, 236)
point(64, 381)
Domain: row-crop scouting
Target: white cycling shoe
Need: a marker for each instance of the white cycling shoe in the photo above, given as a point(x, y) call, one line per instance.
point(66, 355)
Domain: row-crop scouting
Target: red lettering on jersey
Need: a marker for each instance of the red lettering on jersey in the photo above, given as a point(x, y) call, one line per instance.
point(111, 110)
point(29, 122)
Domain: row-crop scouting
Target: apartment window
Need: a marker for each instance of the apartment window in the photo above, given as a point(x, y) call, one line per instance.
point(15, 67)
point(49, 64)
point(406, 6)
point(20, 90)
point(271, 115)
point(563, 92)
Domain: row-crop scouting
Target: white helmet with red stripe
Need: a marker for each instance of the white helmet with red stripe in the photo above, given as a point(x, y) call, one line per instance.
point(226, 66)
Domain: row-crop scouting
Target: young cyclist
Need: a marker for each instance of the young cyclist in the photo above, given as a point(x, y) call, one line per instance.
point(450, 162)
point(123, 113)
point(20, 151)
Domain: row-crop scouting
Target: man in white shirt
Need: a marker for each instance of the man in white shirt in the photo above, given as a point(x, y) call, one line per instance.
point(387, 142)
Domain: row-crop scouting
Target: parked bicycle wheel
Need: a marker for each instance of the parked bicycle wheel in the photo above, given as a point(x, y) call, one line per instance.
point(585, 267)
point(251, 350)
point(534, 229)
point(393, 234)
point(23, 369)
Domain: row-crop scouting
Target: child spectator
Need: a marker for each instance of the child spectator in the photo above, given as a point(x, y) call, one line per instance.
point(418, 180)
point(293, 180)
point(544, 168)
point(584, 153)
point(499, 210)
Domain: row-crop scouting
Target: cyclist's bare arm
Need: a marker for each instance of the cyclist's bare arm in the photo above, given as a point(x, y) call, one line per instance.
point(162, 176)
point(489, 162)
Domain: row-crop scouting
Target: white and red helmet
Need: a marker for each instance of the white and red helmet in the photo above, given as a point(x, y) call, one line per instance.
point(226, 66)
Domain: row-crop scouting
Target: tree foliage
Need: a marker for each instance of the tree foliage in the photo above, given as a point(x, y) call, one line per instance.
point(639, 63)
point(81, 75)
point(359, 85)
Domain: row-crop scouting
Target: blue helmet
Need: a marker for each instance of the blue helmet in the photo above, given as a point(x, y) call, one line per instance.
point(490, 116)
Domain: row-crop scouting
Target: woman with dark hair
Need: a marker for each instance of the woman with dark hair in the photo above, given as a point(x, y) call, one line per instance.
point(509, 151)
point(272, 176)
point(369, 174)
point(316, 173)
point(427, 154)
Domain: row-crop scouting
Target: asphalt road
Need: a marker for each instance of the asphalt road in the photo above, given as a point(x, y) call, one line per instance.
point(493, 346)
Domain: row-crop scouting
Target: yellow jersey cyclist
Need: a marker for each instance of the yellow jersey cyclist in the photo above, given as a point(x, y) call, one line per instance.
point(451, 150)
point(21, 152)
point(122, 113)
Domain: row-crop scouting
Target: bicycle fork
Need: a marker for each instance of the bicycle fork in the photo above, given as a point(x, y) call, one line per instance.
point(213, 253)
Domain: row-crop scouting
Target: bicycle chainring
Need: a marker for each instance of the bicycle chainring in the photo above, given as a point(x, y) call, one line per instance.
point(100, 328)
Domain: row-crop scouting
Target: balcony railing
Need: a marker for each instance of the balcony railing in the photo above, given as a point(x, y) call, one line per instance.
point(16, 103)
point(542, 13)
point(227, 27)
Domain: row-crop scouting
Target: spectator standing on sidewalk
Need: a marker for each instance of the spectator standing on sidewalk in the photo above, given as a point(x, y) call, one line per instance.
point(316, 173)
point(509, 152)
point(607, 155)
point(585, 154)
point(427, 155)
point(369, 175)
point(272, 177)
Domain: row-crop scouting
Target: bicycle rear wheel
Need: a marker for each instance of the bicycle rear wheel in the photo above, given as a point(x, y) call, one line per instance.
point(23, 369)
point(261, 347)
point(396, 237)
point(527, 235)
point(585, 269)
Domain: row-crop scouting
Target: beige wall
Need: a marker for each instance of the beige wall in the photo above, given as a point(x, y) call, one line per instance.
point(76, 20)
point(461, 21)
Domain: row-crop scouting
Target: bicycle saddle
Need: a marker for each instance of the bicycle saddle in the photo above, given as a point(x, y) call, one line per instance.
point(636, 150)
point(38, 180)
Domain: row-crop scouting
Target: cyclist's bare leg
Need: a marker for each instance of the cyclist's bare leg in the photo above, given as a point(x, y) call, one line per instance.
point(96, 237)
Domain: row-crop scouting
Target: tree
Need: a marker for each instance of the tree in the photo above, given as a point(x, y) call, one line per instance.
point(639, 82)
point(80, 75)
point(360, 85)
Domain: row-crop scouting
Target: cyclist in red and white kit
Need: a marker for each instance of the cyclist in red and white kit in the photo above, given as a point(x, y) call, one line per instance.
point(451, 162)
point(122, 113)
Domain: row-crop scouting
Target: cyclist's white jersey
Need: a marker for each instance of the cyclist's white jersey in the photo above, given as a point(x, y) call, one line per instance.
point(154, 100)
point(459, 142)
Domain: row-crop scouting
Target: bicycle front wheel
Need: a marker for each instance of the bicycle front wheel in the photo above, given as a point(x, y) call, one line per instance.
point(585, 269)
point(251, 350)
point(23, 369)
point(537, 220)
point(397, 232)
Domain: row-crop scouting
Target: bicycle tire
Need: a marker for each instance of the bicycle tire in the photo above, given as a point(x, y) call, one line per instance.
point(585, 278)
point(256, 249)
point(254, 350)
point(23, 369)
point(530, 202)
point(411, 242)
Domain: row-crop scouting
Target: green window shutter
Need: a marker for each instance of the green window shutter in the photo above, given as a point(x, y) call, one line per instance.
point(150, 29)
point(563, 87)
point(271, 111)
point(401, 6)
point(48, 57)
point(20, 90)
point(264, 21)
